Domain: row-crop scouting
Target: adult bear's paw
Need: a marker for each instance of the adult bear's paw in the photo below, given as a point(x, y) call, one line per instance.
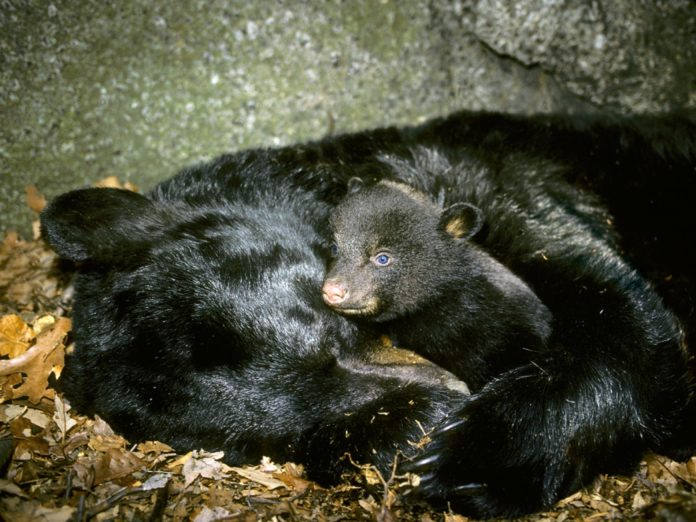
point(520, 444)
point(462, 468)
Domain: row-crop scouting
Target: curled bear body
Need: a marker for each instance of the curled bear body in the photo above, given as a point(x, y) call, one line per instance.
point(199, 318)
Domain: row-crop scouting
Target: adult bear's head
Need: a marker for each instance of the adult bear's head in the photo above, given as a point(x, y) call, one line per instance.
point(166, 287)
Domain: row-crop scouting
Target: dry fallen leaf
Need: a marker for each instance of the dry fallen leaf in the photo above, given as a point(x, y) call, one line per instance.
point(19, 510)
point(75, 441)
point(639, 502)
point(101, 427)
point(15, 336)
point(260, 477)
point(183, 459)
point(369, 504)
point(156, 481)
point(37, 363)
point(151, 446)
point(13, 489)
point(115, 463)
point(62, 418)
point(99, 442)
point(212, 515)
point(9, 412)
point(35, 200)
point(44, 473)
point(28, 277)
point(37, 417)
point(114, 182)
point(268, 466)
point(291, 476)
point(202, 464)
point(82, 473)
point(42, 323)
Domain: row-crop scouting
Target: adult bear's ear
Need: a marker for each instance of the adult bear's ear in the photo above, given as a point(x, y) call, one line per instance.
point(105, 225)
point(461, 220)
point(355, 185)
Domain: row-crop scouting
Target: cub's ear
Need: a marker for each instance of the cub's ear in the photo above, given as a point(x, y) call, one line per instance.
point(461, 220)
point(355, 185)
point(105, 225)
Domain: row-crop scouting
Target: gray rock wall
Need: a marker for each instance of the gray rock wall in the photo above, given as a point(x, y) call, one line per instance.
point(141, 88)
point(630, 55)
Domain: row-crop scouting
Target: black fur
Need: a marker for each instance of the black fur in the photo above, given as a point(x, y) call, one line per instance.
point(199, 320)
point(436, 292)
point(212, 332)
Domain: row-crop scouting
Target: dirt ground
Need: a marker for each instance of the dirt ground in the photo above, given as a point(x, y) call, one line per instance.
point(57, 465)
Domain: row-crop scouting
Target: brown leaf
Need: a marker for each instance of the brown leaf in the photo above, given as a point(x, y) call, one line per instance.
point(206, 465)
point(659, 470)
point(155, 447)
point(683, 471)
point(292, 482)
point(29, 447)
point(15, 336)
point(28, 276)
point(9, 412)
point(11, 240)
point(62, 418)
point(101, 427)
point(368, 504)
point(180, 461)
point(212, 515)
point(75, 441)
point(691, 469)
point(37, 417)
point(42, 323)
point(20, 427)
point(7, 385)
point(259, 477)
point(108, 442)
point(639, 502)
point(36, 230)
point(7, 486)
point(83, 474)
point(114, 182)
point(32, 511)
point(114, 464)
point(35, 200)
point(37, 363)
point(108, 182)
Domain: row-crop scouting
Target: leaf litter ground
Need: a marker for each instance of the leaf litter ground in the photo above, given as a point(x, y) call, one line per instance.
point(57, 465)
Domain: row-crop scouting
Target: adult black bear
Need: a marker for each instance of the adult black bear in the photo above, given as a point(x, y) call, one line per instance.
point(404, 262)
point(199, 320)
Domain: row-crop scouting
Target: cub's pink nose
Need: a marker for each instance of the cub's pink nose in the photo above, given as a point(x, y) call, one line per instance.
point(334, 292)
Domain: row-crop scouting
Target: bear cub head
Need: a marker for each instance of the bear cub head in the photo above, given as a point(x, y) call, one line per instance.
point(394, 250)
point(403, 262)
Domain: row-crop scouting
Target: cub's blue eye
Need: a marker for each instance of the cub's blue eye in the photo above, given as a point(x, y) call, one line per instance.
point(334, 250)
point(382, 259)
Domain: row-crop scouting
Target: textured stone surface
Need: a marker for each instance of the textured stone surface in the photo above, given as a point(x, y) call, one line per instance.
point(633, 55)
point(141, 88)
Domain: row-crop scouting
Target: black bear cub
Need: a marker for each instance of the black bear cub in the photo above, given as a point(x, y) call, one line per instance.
point(401, 260)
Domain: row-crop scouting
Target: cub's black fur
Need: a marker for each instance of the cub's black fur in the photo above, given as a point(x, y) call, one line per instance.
point(406, 263)
point(199, 318)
